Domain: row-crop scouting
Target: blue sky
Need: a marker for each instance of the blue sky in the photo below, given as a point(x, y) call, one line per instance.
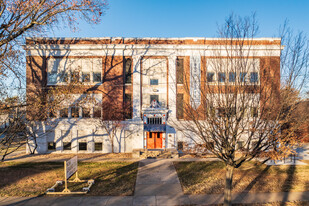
point(190, 18)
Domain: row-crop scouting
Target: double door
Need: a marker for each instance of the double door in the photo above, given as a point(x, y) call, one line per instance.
point(154, 140)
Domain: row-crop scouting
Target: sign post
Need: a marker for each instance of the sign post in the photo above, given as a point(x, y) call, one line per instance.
point(70, 168)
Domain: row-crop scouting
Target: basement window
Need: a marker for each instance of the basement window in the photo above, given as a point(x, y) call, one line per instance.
point(82, 146)
point(66, 145)
point(51, 146)
point(98, 146)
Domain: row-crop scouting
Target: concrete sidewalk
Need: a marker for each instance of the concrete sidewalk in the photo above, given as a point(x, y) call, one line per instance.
point(244, 198)
point(157, 178)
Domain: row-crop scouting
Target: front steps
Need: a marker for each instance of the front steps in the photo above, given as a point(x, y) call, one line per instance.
point(155, 153)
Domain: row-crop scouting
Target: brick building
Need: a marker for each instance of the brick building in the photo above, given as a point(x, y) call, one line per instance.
point(148, 80)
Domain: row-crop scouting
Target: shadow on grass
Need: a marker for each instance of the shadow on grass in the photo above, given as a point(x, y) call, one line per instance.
point(256, 179)
point(111, 178)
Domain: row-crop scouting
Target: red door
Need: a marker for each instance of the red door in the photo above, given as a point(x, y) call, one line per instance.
point(154, 140)
point(150, 141)
point(159, 140)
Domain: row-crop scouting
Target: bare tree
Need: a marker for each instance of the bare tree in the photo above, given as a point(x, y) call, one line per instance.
point(21, 18)
point(243, 107)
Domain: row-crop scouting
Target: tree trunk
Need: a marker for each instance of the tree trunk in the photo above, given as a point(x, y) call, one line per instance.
point(112, 143)
point(228, 185)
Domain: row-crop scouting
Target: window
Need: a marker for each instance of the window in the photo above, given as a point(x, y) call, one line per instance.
point(180, 145)
point(98, 146)
point(210, 76)
point(97, 77)
point(74, 112)
point(86, 77)
point(243, 111)
point(179, 106)
point(232, 111)
point(52, 77)
point(232, 76)
point(211, 112)
point(154, 82)
point(97, 112)
point(64, 113)
point(221, 77)
point(75, 77)
point(152, 97)
point(254, 112)
point(154, 120)
point(221, 112)
point(82, 146)
point(51, 146)
point(66, 145)
point(64, 77)
point(128, 106)
point(242, 76)
point(254, 77)
point(128, 71)
point(86, 112)
point(179, 71)
point(240, 144)
point(210, 145)
point(52, 114)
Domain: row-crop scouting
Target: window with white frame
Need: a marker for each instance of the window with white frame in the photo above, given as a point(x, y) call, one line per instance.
point(65, 70)
point(236, 70)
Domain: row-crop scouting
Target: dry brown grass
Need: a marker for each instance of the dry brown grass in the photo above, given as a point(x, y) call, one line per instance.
point(32, 179)
point(62, 156)
point(208, 177)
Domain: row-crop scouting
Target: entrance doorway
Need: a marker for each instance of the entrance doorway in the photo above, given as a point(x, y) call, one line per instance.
point(154, 140)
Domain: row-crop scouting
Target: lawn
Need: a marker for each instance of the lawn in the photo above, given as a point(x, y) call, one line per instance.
point(32, 179)
point(209, 177)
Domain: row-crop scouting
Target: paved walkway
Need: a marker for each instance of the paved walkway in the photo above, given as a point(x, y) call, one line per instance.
point(157, 177)
point(157, 184)
point(244, 198)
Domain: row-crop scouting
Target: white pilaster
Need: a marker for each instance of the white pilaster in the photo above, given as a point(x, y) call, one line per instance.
point(136, 87)
point(58, 140)
point(90, 141)
point(172, 86)
point(74, 142)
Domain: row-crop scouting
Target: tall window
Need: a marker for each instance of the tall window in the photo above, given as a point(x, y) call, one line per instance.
point(52, 77)
point(232, 76)
point(254, 112)
point(97, 77)
point(242, 76)
point(152, 97)
point(179, 70)
point(75, 76)
point(128, 71)
point(221, 77)
point(64, 113)
point(210, 76)
point(254, 77)
point(128, 106)
point(86, 112)
point(86, 77)
point(179, 106)
point(97, 112)
point(74, 112)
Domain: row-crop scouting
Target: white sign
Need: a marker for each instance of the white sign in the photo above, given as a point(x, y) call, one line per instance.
point(71, 167)
point(195, 81)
